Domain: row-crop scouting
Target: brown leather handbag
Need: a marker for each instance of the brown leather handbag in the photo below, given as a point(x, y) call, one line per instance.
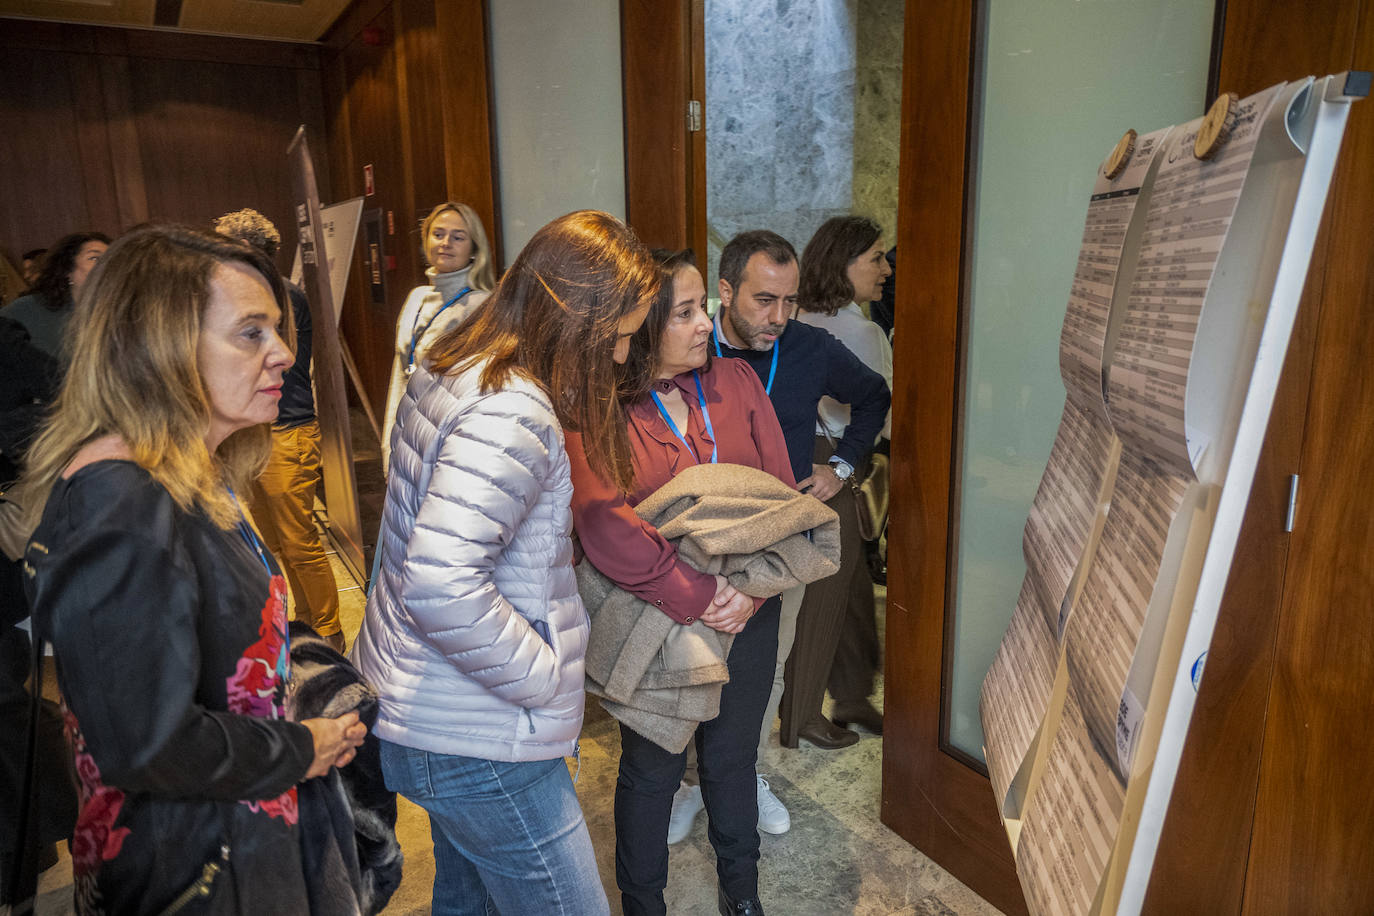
point(871, 498)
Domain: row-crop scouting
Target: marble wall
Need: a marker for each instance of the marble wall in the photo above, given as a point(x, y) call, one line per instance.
point(803, 105)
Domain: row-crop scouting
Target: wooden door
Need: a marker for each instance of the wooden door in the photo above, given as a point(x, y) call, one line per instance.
point(1270, 813)
point(663, 67)
point(934, 796)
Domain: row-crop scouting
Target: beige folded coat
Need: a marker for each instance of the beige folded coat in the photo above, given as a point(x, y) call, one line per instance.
point(663, 678)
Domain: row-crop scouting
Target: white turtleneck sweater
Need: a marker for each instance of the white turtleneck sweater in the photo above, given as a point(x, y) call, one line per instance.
point(420, 309)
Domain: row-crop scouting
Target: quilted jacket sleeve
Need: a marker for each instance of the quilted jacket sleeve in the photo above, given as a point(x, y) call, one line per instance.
point(489, 473)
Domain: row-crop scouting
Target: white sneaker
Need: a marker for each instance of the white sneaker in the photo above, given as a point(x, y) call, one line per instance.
point(687, 804)
point(773, 816)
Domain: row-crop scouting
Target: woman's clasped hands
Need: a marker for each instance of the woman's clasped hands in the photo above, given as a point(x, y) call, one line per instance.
point(729, 610)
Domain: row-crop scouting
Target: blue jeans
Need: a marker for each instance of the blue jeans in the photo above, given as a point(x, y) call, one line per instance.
point(508, 837)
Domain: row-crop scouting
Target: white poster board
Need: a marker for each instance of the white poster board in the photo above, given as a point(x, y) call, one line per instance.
point(1209, 292)
point(340, 224)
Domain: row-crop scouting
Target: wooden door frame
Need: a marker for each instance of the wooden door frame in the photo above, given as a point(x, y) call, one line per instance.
point(663, 67)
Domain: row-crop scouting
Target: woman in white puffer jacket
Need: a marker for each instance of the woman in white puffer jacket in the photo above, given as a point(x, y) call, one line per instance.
point(474, 635)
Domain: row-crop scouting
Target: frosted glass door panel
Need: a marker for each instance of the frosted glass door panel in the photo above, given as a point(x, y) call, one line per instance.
point(1061, 81)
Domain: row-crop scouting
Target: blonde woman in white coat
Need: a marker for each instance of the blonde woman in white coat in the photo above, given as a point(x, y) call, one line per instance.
point(461, 277)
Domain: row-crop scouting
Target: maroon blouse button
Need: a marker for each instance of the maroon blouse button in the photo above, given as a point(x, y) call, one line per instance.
point(665, 385)
point(658, 604)
point(690, 619)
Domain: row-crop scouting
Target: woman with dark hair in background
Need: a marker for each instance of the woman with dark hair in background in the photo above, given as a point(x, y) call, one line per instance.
point(842, 265)
point(475, 633)
point(46, 308)
point(166, 614)
point(684, 409)
point(461, 274)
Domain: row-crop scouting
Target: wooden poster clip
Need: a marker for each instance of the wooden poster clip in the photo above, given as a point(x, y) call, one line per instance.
point(1120, 155)
point(1216, 126)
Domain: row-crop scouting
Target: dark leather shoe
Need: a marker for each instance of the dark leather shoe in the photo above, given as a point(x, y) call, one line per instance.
point(728, 907)
point(860, 713)
point(826, 735)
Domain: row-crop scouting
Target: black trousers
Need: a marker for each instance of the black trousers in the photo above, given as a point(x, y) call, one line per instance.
point(726, 748)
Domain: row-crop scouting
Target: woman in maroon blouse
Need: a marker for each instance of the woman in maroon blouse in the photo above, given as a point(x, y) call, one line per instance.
point(684, 409)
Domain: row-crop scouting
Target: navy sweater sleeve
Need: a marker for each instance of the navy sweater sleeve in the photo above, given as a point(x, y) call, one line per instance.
point(850, 382)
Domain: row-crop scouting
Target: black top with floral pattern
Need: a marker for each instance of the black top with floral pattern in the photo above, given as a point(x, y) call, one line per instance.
point(170, 640)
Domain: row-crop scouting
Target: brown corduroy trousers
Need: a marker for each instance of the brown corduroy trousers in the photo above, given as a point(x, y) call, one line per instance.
point(837, 636)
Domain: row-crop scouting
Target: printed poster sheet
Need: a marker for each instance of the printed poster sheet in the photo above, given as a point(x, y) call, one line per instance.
point(1072, 818)
point(1071, 823)
point(1101, 635)
point(1189, 214)
point(1190, 211)
point(1067, 502)
point(1082, 341)
point(1074, 487)
point(1016, 691)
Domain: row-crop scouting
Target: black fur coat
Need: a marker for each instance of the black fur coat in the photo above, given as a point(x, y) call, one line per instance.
point(352, 799)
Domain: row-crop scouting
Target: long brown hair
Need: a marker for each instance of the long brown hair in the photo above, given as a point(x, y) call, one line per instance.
point(555, 318)
point(134, 371)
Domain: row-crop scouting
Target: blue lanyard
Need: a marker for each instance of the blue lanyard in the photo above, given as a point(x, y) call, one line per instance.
point(705, 419)
point(772, 373)
point(415, 335)
point(250, 537)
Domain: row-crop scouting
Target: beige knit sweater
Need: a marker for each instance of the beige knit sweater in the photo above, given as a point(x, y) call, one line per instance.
point(662, 678)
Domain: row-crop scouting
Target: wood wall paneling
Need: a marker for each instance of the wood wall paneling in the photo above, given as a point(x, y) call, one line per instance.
point(113, 127)
point(656, 50)
point(418, 89)
point(1313, 843)
point(931, 797)
point(93, 132)
point(466, 99)
point(40, 138)
point(373, 125)
point(406, 91)
point(126, 161)
point(210, 141)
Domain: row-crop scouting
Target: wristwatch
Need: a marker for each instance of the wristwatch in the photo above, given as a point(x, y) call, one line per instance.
point(843, 469)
